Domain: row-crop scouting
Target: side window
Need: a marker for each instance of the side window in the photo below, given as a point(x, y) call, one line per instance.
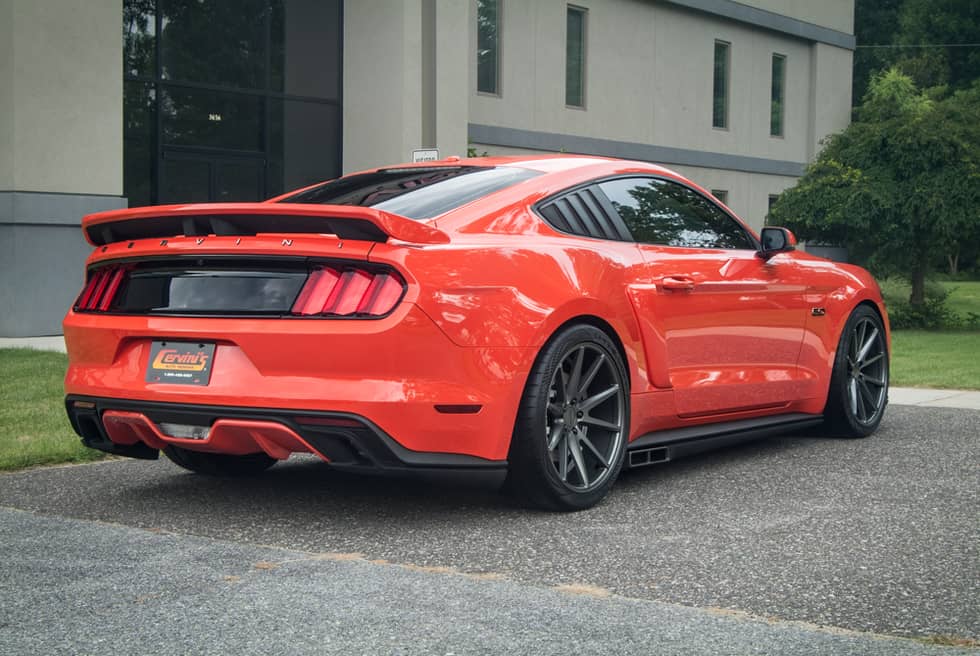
point(669, 214)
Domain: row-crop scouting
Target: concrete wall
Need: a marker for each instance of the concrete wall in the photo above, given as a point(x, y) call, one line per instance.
point(649, 75)
point(6, 94)
point(649, 79)
point(405, 79)
point(60, 150)
point(66, 96)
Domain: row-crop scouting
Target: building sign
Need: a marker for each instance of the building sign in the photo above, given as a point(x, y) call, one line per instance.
point(426, 155)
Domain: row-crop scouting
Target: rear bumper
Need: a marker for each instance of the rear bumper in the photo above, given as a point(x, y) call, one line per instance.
point(401, 375)
point(346, 441)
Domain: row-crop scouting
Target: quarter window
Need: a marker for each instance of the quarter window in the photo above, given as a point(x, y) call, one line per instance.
point(669, 214)
point(487, 46)
point(778, 95)
point(575, 57)
point(719, 118)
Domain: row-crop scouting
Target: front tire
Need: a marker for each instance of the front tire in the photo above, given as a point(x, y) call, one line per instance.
point(859, 382)
point(219, 464)
point(569, 441)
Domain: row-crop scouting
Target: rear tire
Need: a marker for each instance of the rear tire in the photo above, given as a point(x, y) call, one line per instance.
point(219, 464)
point(569, 440)
point(859, 382)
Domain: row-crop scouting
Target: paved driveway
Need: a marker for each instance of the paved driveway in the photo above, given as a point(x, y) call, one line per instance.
point(792, 545)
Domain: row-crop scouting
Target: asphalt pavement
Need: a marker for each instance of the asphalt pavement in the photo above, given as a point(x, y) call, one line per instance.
point(790, 545)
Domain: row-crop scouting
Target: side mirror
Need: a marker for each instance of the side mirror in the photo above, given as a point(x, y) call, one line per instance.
point(776, 240)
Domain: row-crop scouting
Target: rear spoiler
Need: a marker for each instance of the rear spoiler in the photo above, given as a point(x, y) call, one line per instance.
point(246, 219)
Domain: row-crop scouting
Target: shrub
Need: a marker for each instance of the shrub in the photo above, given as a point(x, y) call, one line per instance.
point(931, 315)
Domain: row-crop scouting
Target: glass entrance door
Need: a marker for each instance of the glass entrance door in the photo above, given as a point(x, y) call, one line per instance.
point(206, 177)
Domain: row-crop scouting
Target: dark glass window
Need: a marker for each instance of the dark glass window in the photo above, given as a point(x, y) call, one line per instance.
point(139, 143)
point(669, 214)
point(719, 115)
point(417, 193)
point(306, 45)
point(778, 95)
point(139, 38)
point(229, 100)
point(575, 57)
point(212, 119)
point(221, 43)
point(300, 135)
point(488, 46)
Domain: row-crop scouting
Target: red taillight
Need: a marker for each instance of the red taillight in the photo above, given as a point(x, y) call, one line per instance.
point(101, 288)
point(349, 292)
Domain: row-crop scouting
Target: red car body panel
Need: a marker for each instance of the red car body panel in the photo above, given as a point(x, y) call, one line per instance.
point(706, 335)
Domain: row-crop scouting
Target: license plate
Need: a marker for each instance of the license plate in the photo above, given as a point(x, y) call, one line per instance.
point(181, 363)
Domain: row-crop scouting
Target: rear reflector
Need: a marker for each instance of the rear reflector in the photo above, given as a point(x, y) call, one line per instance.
point(351, 292)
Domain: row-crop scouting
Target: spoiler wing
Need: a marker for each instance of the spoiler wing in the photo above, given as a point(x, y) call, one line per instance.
point(246, 219)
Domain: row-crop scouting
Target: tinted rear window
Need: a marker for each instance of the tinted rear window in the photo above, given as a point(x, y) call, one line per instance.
point(417, 193)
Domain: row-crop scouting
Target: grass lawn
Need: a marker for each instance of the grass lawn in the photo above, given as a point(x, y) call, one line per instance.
point(923, 358)
point(964, 296)
point(34, 428)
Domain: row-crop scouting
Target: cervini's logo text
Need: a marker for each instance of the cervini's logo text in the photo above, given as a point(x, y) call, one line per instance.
point(174, 360)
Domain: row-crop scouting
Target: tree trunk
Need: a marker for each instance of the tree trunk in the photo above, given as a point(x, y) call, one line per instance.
point(954, 263)
point(918, 296)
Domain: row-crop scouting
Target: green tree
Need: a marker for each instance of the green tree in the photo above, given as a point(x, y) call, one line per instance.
point(916, 36)
point(900, 187)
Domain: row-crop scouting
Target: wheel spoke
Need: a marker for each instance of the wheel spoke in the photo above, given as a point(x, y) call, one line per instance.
point(866, 347)
point(576, 450)
point(572, 386)
point(870, 361)
point(874, 381)
point(852, 388)
point(596, 399)
point(556, 432)
point(599, 423)
point(563, 460)
point(583, 388)
point(591, 447)
point(868, 397)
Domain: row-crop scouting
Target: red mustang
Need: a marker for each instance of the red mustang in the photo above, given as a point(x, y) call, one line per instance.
point(560, 317)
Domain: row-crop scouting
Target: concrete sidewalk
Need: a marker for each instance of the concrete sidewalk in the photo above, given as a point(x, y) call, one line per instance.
point(934, 398)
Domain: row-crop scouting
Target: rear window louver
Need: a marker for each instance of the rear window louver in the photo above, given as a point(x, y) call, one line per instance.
point(586, 213)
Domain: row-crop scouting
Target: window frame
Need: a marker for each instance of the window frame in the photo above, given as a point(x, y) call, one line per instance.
point(772, 95)
point(726, 117)
point(720, 194)
point(595, 182)
point(497, 92)
point(583, 58)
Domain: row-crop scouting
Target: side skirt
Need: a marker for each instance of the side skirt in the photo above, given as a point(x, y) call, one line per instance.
point(664, 446)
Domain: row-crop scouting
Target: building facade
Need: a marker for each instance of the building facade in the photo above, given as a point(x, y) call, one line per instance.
point(109, 103)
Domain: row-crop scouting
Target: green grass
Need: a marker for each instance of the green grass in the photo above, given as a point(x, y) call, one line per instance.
point(923, 358)
point(964, 296)
point(34, 428)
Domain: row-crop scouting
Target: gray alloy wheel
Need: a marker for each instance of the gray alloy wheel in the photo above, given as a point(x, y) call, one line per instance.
point(867, 371)
point(569, 440)
point(586, 410)
point(858, 391)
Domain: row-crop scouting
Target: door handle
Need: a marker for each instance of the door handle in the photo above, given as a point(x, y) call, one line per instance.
point(678, 283)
